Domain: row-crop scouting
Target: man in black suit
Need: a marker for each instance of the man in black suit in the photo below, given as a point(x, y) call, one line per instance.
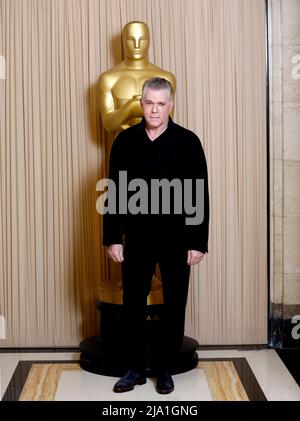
point(156, 228)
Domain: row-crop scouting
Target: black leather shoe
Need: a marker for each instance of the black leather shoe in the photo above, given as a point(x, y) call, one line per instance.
point(129, 380)
point(164, 382)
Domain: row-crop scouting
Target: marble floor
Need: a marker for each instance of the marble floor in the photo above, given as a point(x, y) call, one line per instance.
point(223, 375)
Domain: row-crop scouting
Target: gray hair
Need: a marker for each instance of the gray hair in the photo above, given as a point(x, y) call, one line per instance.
point(157, 83)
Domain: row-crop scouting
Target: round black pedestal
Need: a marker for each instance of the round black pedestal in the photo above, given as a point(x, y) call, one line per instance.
point(103, 354)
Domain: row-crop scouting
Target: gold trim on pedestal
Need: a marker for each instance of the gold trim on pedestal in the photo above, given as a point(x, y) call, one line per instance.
point(114, 295)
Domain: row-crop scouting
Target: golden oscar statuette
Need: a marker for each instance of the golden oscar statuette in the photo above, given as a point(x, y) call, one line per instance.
point(120, 95)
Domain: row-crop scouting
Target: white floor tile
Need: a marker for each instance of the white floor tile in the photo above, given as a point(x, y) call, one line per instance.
point(28, 356)
point(81, 385)
point(8, 363)
point(4, 382)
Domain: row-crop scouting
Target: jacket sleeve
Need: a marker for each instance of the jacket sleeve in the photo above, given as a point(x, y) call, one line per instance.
point(112, 222)
point(196, 236)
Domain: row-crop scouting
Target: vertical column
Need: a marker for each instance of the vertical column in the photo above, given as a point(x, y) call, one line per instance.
point(284, 54)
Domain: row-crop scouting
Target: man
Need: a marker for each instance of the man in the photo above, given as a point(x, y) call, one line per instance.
point(156, 149)
point(120, 95)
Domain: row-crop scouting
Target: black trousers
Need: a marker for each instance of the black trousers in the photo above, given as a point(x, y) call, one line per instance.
point(141, 254)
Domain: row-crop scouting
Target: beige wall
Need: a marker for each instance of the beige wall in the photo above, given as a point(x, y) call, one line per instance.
point(284, 46)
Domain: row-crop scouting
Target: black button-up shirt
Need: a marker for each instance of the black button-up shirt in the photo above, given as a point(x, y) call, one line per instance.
point(176, 154)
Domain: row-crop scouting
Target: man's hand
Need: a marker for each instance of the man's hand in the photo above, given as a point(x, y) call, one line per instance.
point(115, 252)
point(194, 257)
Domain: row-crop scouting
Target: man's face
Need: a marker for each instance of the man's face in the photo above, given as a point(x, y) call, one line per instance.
point(157, 106)
point(136, 41)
